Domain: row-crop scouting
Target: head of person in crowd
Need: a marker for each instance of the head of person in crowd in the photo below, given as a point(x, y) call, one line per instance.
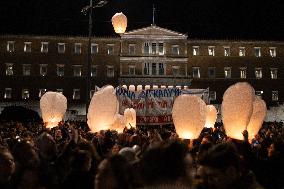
point(81, 161)
point(114, 173)
point(25, 154)
point(276, 150)
point(220, 167)
point(46, 145)
point(7, 165)
point(165, 163)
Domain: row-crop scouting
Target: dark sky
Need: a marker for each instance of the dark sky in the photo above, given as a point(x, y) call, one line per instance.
point(203, 19)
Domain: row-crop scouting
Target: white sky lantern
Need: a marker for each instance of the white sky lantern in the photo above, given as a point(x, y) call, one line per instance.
point(119, 22)
point(119, 123)
point(130, 117)
point(53, 106)
point(211, 116)
point(237, 108)
point(102, 109)
point(189, 116)
point(257, 117)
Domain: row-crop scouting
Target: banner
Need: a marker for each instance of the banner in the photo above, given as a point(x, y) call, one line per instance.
point(154, 106)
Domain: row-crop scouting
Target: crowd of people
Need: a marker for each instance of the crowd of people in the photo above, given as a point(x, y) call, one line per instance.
point(70, 156)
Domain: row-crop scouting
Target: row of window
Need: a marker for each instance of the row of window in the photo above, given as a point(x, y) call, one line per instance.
point(77, 70)
point(154, 48)
point(76, 94)
point(227, 51)
point(228, 72)
point(149, 69)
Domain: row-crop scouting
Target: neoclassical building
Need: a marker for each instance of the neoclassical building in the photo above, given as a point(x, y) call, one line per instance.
point(150, 57)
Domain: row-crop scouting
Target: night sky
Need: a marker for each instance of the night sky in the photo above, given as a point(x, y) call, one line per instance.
point(202, 19)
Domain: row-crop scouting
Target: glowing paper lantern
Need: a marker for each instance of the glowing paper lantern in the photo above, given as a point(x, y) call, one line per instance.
point(211, 116)
point(119, 123)
point(237, 109)
point(102, 109)
point(257, 117)
point(119, 22)
point(53, 106)
point(189, 116)
point(130, 117)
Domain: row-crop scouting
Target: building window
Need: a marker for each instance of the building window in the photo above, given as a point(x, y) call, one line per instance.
point(154, 48)
point(242, 51)
point(43, 69)
point(41, 92)
point(196, 72)
point(77, 48)
point(94, 71)
point(61, 47)
point(59, 91)
point(110, 71)
point(8, 93)
point(131, 70)
point(94, 48)
point(76, 94)
point(175, 70)
point(146, 48)
point(161, 69)
point(26, 69)
point(146, 69)
point(228, 72)
point(258, 73)
point(212, 95)
point(25, 94)
point(131, 49)
point(273, 73)
point(272, 51)
point(274, 96)
point(27, 46)
point(9, 69)
point(257, 52)
point(44, 47)
point(195, 50)
point(77, 70)
point(60, 70)
point(211, 51)
point(161, 48)
point(243, 73)
point(227, 51)
point(175, 49)
point(10, 46)
point(110, 49)
point(211, 72)
point(259, 93)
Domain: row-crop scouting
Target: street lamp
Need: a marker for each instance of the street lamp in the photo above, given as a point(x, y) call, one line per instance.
point(118, 22)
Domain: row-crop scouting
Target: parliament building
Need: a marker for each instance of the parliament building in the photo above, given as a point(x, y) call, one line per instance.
point(150, 57)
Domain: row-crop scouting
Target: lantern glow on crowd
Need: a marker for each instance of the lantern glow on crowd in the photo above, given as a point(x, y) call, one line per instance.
point(189, 116)
point(53, 106)
point(237, 109)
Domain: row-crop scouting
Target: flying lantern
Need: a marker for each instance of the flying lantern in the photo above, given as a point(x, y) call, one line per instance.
point(119, 123)
point(119, 22)
point(130, 117)
point(257, 117)
point(237, 108)
point(53, 106)
point(211, 116)
point(102, 109)
point(189, 116)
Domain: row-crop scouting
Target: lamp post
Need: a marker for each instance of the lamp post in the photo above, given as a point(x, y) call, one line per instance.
point(119, 22)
